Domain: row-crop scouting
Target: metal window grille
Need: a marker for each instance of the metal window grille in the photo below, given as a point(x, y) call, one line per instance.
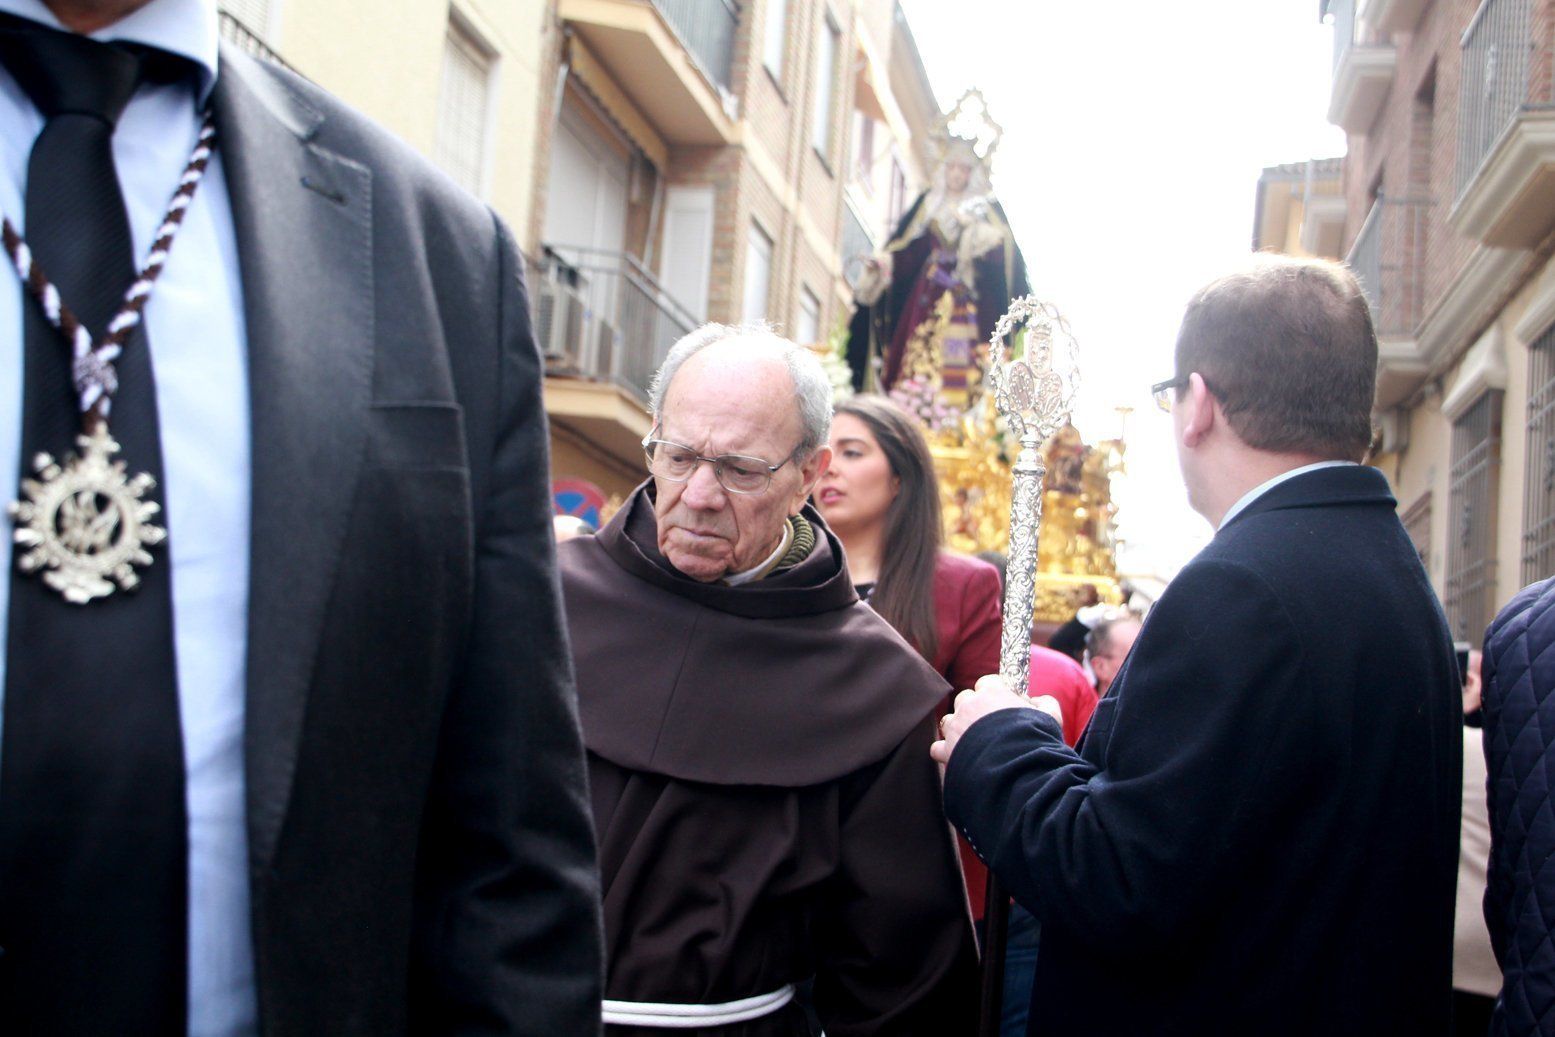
point(1417, 523)
point(245, 39)
point(1497, 47)
point(1539, 481)
point(461, 117)
point(1471, 504)
point(253, 15)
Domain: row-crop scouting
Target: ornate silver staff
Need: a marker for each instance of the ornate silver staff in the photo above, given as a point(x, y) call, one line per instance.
point(1035, 395)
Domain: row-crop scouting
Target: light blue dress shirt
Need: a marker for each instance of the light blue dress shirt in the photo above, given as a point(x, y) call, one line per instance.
point(1264, 487)
point(195, 323)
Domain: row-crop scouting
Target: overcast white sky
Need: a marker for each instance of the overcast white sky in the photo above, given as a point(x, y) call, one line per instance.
point(1134, 133)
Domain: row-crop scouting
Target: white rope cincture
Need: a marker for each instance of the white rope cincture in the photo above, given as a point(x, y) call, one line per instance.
point(92, 363)
point(672, 1016)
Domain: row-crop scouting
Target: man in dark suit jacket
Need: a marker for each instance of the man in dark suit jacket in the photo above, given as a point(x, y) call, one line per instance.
point(1259, 831)
point(413, 847)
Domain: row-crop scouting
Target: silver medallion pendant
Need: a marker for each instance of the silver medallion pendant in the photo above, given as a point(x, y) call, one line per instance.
point(85, 525)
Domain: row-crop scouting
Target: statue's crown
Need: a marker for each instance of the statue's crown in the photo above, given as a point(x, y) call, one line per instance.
point(967, 133)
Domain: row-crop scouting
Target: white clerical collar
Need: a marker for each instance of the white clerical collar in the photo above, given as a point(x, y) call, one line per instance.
point(187, 28)
point(768, 562)
point(1263, 488)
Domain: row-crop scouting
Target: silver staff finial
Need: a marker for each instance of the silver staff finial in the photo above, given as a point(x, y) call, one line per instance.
point(1035, 394)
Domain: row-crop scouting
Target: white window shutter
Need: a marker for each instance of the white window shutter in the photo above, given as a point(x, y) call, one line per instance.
point(462, 110)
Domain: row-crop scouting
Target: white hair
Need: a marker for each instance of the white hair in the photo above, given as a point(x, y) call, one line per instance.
point(812, 388)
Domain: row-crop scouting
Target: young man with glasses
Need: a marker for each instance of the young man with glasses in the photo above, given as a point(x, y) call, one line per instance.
point(1259, 832)
point(757, 737)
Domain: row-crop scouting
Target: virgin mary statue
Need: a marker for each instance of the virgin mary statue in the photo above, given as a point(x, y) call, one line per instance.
point(927, 303)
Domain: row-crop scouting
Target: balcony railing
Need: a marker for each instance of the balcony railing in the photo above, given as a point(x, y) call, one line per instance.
point(1388, 258)
point(246, 39)
point(601, 315)
point(707, 29)
point(1497, 47)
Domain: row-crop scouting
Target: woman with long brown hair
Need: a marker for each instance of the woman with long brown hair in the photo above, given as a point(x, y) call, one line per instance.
point(881, 499)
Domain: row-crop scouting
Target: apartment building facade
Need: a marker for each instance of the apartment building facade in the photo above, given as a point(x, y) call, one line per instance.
point(706, 160)
point(454, 79)
point(1449, 222)
point(664, 163)
point(1299, 209)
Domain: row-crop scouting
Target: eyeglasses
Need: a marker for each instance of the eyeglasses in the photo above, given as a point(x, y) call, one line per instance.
point(1165, 392)
point(737, 473)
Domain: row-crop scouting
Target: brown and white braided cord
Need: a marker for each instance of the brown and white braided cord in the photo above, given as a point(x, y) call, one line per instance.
point(92, 362)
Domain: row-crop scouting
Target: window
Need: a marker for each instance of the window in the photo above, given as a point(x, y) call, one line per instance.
point(864, 152)
point(825, 87)
point(807, 325)
point(253, 15)
point(462, 109)
point(1539, 482)
point(758, 273)
point(1471, 505)
point(775, 39)
point(898, 203)
point(687, 264)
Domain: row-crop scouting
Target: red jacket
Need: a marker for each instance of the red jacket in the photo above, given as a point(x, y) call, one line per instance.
point(967, 597)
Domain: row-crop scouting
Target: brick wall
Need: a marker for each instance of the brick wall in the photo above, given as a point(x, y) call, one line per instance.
point(1410, 150)
point(1542, 24)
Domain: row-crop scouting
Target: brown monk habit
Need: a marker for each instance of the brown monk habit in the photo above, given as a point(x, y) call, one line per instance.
point(766, 807)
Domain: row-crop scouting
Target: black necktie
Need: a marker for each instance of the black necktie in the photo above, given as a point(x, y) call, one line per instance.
point(93, 830)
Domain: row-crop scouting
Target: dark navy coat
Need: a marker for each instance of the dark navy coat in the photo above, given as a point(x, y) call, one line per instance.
point(1259, 832)
point(1520, 753)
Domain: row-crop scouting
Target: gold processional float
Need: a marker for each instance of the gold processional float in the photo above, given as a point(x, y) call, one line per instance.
point(974, 455)
point(952, 266)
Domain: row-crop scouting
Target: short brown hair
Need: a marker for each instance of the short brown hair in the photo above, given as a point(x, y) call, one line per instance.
point(1287, 347)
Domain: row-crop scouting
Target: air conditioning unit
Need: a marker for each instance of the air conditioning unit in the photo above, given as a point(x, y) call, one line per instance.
point(602, 363)
point(1393, 429)
point(559, 322)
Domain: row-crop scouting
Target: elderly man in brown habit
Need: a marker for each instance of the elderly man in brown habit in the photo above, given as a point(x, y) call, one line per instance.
point(756, 735)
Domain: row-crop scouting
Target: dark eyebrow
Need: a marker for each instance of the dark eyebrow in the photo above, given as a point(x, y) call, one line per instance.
point(853, 439)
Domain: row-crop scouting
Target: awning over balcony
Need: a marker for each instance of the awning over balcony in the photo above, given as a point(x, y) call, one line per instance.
point(655, 67)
